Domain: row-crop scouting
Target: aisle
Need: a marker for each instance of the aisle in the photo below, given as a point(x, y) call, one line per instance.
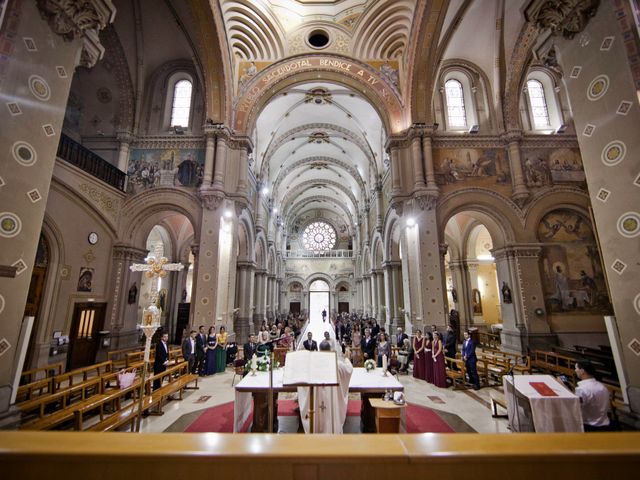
point(317, 327)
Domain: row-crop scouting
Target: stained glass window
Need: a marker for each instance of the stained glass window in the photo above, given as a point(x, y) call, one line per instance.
point(181, 104)
point(455, 104)
point(319, 237)
point(538, 102)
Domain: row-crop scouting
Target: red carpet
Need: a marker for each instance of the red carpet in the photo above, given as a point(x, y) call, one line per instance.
point(220, 419)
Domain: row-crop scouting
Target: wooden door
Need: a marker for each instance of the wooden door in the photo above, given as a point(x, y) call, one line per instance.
point(294, 307)
point(343, 307)
point(88, 319)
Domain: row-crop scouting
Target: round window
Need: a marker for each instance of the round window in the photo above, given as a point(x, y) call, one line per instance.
point(318, 39)
point(319, 237)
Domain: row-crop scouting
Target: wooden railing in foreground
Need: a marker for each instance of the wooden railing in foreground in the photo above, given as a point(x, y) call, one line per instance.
point(71, 456)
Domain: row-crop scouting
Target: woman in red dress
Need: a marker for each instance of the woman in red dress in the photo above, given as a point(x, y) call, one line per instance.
point(439, 367)
point(418, 356)
point(428, 358)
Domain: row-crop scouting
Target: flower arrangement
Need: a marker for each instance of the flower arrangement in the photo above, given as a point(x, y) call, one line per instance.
point(263, 363)
point(369, 365)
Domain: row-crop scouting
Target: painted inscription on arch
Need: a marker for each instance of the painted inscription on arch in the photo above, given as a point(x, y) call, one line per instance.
point(362, 73)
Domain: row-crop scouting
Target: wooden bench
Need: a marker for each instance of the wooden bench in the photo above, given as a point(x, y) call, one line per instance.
point(67, 401)
point(30, 376)
point(495, 366)
point(455, 371)
point(34, 390)
point(118, 357)
point(79, 375)
point(177, 380)
point(550, 362)
point(119, 412)
point(497, 399)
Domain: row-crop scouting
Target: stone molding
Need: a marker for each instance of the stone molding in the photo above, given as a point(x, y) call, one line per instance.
point(128, 253)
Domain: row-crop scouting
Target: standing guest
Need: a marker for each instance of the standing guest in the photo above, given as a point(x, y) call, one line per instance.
point(189, 350)
point(263, 336)
point(201, 343)
point(418, 356)
point(434, 330)
point(368, 345)
point(161, 359)
point(400, 337)
point(210, 361)
point(384, 348)
point(356, 338)
point(594, 398)
point(221, 350)
point(439, 367)
point(375, 328)
point(324, 315)
point(310, 344)
point(470, 359)
point(250, 348)
point(428, 357)
point(450, 343)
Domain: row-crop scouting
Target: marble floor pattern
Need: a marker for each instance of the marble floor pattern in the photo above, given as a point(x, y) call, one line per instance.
point(463, 410)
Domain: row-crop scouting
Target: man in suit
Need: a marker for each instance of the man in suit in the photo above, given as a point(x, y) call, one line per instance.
point(450, 343)
point(310, 343)
point(470, 359)
point(161, 358)
point(400, 336)
point(368, 345)
point(189, 350)
point(201, 343)
point(250, 348)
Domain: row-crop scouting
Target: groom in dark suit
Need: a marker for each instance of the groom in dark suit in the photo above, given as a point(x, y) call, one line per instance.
point(470, 359)
point(309, 343)
point(368, 345)
point(201, 343)
point(189, 351)
point(161, 358)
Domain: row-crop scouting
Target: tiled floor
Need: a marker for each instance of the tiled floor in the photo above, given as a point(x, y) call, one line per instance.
point(463, 410)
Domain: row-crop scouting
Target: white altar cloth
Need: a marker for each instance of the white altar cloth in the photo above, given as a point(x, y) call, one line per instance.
point(361, 381)
point(560, 413)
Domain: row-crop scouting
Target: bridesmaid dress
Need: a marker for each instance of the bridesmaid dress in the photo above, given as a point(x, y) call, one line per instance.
point(439, 367)
point(428, 360)
point(418, 360)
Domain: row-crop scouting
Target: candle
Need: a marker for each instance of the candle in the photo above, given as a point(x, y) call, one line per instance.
point(254, 362)
point(384, 363)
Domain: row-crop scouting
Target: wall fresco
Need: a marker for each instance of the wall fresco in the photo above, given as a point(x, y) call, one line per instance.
point(478, 167)
point(546, 167)
point(149, 168)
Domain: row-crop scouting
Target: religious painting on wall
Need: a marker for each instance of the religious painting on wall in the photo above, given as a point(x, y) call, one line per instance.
point(545, 167)
point(478, 167)
point(86, 279)
point(477, 302)
point(149, 168)
point(572, 275)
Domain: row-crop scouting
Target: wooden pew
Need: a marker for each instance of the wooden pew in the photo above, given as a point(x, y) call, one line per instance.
point(118, 357)
point(456, 371)
point(550, 362)
point(34, 390)
point(79, 375)
point(121, 410)
point(495, 366)
point(174, 380)
point(68, 401)
point(30, 376)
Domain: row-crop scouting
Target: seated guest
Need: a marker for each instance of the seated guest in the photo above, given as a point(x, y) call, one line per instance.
point(403, 355)
point(594, 398)
point(287, 339)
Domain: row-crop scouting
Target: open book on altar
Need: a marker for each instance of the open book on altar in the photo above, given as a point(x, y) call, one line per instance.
point(305, 368)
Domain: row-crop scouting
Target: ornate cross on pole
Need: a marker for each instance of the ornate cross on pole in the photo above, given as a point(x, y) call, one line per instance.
point(156, 267)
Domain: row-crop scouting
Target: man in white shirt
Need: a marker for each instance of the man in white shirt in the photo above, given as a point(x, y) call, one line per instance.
point(594, 398)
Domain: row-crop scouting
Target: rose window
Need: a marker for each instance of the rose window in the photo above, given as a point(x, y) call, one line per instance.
point(319, 237)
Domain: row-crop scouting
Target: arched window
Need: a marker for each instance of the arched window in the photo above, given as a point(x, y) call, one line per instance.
point(538, 102)
point(456, 113)
point(181, 106)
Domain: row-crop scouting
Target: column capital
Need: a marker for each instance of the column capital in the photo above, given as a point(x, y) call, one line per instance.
point(83, 20)
point(210, 198)
point(245, 265)
point(122, 251)
point(512, 136)
point(565, 18)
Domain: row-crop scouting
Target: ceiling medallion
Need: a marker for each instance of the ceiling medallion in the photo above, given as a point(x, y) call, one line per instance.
point(319, 96)
point(319, 137)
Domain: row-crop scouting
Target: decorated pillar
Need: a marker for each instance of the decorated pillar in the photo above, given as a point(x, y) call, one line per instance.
point(43, 43)
point(462, 293)
point(260, 297)
point(125, 139)
point(209, 154)
point(474, 299)
point(520, 191)
point(243, 321)
point(122, 313)
point(396, 280)
point(418, 165)
point(373, 285)
point(427, 152)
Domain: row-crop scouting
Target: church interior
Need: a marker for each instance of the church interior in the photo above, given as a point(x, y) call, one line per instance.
point(349, 171)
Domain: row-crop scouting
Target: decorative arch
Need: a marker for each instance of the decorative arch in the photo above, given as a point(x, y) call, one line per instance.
point(319, 276)
point(391, 244)
point(333, 68)
point(545, 202)
point(261, 251)
point(377, 250)
point(147, 208)
point(246, 239)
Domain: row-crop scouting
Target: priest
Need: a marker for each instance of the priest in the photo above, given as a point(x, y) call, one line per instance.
point(330, 402)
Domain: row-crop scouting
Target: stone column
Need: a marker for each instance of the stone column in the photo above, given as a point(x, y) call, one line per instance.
point(379, 208)
point(390, 298)
point(209, 154)
point(520, 191)
point(123, 152)
point(195, 251)
point(427, 152)
point(380, 295)
point(35, 90)
point(396, 181)
point(271, 288)
point(418, 168)
point(374, 294)
point(220, 167)
point(243, 324)
point(366, 294)
point(121, 316)
point(471, 268)
point(512, 323)
point(397, 316)
point(367, 231)
point(260, 297)
point(458, 280)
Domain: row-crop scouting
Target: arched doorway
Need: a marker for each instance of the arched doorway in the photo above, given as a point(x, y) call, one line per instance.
point(319, 300)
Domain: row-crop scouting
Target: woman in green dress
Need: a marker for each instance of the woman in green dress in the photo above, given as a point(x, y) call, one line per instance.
point(221, 350)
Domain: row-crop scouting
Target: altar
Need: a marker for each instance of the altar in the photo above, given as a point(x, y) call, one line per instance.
point(367, 383)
